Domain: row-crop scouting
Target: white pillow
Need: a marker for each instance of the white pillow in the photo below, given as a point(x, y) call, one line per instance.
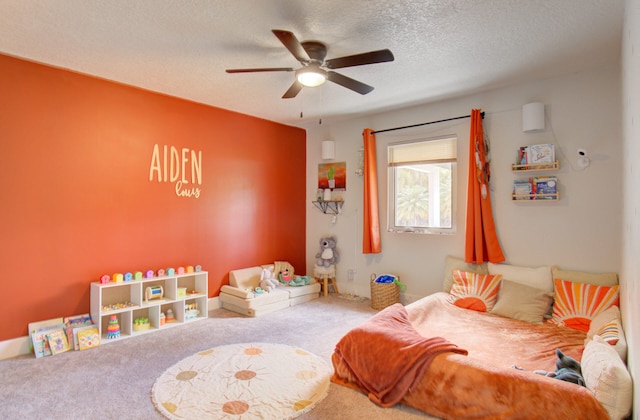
point(539, 277)
point(602, 319)
point(607, 377)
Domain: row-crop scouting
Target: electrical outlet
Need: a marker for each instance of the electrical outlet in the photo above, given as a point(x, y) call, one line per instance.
point(351, 274)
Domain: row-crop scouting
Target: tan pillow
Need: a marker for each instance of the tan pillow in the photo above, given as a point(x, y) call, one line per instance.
point(604, 279)
point(453, 263)
point(538, 277)
point(519, 301)
point(607, 377)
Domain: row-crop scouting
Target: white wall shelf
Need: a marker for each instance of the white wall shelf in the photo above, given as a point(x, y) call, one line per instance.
point(128, 301)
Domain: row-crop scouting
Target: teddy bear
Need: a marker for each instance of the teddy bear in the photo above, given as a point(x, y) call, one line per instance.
point(267, 281)
point(328, 254)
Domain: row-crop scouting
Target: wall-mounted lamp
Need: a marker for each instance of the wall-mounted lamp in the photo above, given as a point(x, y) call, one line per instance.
point(583, 161)
point(533, 117)
point(328, 149)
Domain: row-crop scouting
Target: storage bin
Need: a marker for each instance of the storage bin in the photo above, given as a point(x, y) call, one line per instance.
point(384, 294)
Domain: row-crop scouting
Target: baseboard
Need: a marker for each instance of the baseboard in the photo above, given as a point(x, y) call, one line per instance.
point(20, 346)
point(14, 347)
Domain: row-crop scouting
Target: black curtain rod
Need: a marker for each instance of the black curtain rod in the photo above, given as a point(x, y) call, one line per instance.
point(426, 123)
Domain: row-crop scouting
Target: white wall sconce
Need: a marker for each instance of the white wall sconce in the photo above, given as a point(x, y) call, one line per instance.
point(583, 161)
point(328, 150)
point(533, 117)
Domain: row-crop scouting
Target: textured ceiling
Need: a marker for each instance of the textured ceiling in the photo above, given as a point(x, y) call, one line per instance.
point(442, 48)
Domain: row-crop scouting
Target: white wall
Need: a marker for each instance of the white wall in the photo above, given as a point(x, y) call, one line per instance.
point(629, 274)
point(581, 231)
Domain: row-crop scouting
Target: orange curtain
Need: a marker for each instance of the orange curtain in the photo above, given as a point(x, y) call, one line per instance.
point(481, 241)
point(371, 228)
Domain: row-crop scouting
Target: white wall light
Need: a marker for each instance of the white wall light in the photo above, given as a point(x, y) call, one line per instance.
point(328, 149)
point(533, 117)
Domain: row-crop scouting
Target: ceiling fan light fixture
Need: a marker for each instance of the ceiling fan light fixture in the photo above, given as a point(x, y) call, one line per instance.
point(311, 76)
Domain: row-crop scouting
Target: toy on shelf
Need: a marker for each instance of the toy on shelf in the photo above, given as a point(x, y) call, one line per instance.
point(116, 306)
point(169, 317)
point(153, 292)
point(141, 324)
point(118, 277)
point(137, 275)
point(191, 311)
point(182, 292)
point(162, 318)
point(149, 274)
point(171, 272)
point(105, 279)
point(113, 330)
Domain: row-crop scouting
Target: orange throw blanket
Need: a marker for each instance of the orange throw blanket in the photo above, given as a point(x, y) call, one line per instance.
point(396, 355)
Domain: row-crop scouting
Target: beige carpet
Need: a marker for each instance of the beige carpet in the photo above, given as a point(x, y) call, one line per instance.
point(252, 381)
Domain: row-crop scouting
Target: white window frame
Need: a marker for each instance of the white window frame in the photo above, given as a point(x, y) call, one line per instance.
point(431, 154)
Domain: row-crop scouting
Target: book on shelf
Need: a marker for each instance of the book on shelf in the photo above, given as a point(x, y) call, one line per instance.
point(522, 189)
point(536, 155)
point(546, 186)
point(541, 153)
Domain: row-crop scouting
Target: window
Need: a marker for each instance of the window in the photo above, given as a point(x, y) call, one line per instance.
point(421, 180)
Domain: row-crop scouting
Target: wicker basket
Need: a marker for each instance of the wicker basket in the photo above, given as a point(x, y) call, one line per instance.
point(383, 294)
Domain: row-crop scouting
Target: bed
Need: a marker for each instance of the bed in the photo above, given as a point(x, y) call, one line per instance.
point(447, 357)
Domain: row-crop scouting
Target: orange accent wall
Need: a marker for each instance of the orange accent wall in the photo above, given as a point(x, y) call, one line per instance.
point(77, 201)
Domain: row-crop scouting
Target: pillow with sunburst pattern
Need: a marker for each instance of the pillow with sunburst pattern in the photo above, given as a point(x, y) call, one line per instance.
point(474, 291)
point(576, 304)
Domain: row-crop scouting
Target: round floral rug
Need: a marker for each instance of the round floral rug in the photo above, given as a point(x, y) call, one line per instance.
point(247, 381)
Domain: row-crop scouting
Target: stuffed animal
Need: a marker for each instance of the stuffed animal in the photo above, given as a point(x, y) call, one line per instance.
point(328, 254)
point(283, 271)
point(567, 369)
point(267, 280)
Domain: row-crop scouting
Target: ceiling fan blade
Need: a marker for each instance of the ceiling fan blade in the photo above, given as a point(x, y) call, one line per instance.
point(295, 88)
point(294, 46)
point(259, 70)
point(372, 57)
point(349, 83)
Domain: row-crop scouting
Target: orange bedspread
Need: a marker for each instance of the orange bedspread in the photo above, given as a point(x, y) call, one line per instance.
point(483, 385)
point(387, 370)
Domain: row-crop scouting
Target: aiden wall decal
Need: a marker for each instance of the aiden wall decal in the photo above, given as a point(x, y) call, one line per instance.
point(184, 168)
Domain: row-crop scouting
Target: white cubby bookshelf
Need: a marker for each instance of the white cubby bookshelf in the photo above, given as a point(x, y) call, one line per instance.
point(127, 300)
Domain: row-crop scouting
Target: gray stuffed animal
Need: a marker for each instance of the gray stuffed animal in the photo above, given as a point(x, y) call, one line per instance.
point(328, 254)
point(567, 369)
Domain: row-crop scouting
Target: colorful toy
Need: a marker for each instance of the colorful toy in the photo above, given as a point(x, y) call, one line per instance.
point(128, 276)
point(162, 318)
point(161, 272)
point(137, 275)
point(149, 274)
point(105, 279)
point(113, 329)
point(198, 268)
point(141, 324)
point(171, 272)
point(153, 292)
point(118, 278)
point(191, 311)
point(180, 270)
point(328, 254)
point(189, 269)
point(169, 317)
